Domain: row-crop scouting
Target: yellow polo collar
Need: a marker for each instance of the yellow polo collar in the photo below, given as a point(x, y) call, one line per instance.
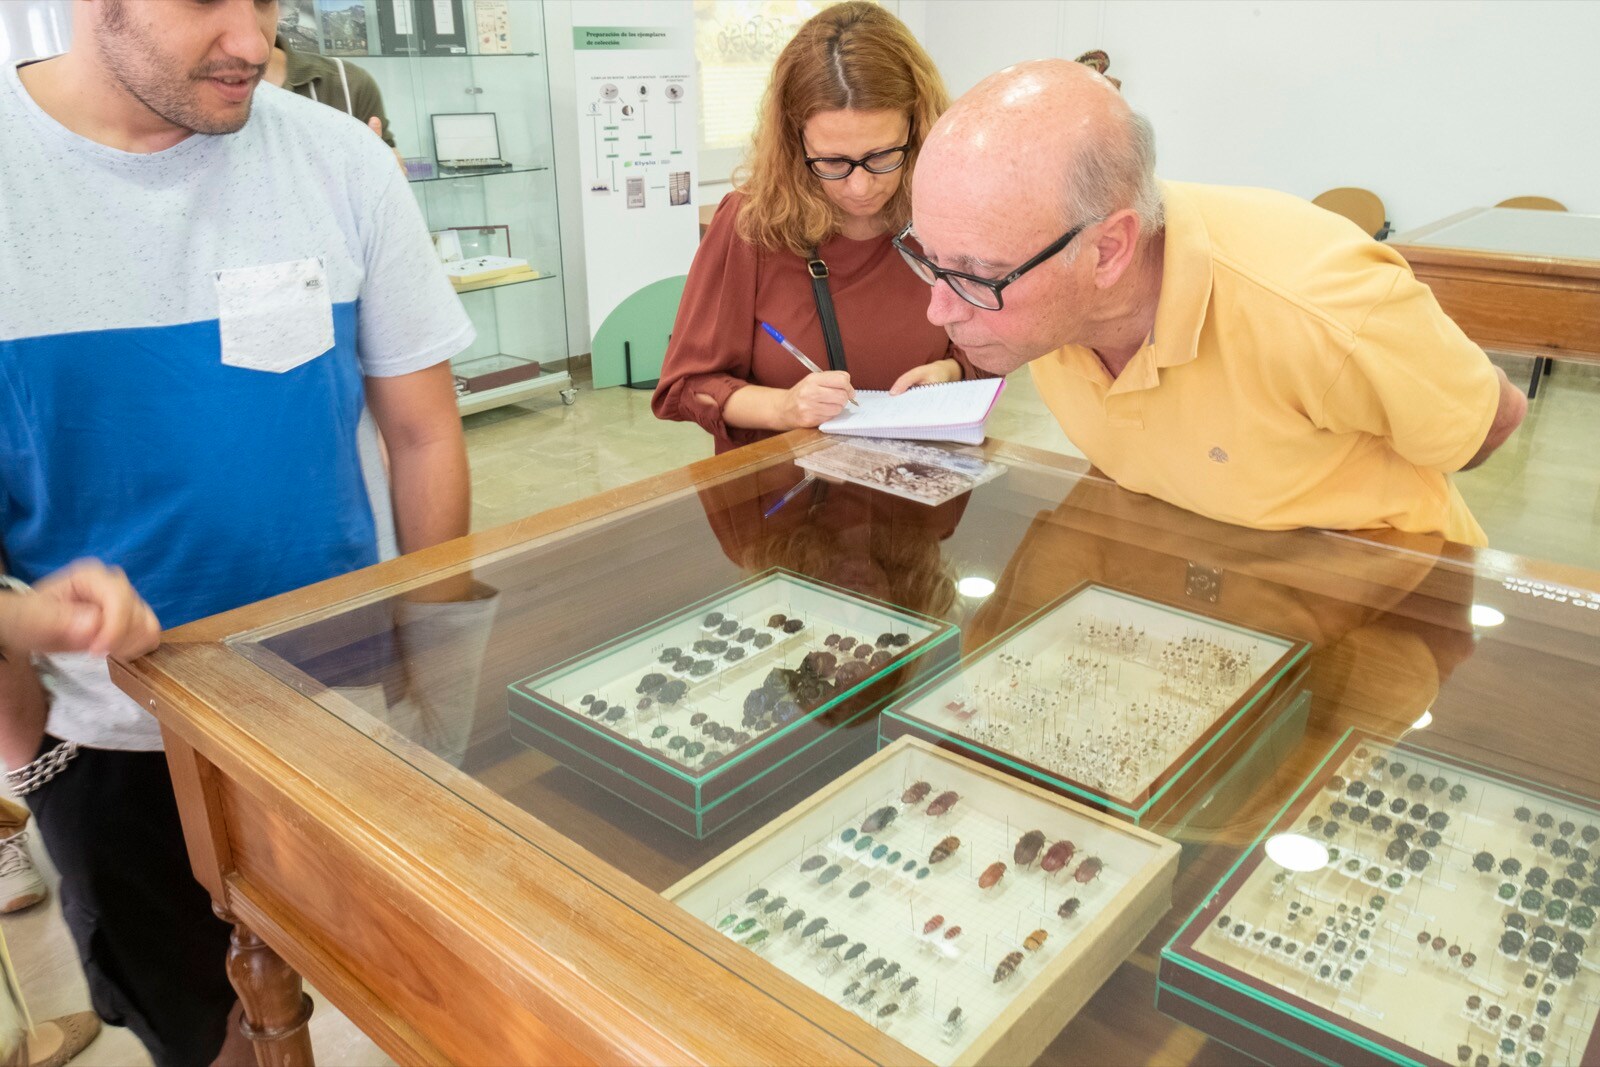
point(1181, 311)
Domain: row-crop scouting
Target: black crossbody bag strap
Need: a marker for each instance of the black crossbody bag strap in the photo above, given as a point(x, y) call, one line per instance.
point(825, 313)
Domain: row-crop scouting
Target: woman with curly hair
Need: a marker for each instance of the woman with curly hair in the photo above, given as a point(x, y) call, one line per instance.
point(828, 183)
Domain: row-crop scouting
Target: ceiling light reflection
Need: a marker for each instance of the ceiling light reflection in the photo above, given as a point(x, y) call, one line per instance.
point(1297, 852)
point(1484, 615)
point(976, 588)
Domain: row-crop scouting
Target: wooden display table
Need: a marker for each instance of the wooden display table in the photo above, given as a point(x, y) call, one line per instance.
point(1513, 279)
point(355, 799)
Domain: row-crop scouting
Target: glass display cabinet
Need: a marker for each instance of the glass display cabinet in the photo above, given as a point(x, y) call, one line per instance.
point(466, 85)
point(1191, 746)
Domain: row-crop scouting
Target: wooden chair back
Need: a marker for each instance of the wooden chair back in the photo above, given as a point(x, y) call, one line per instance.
point(1533, 203)
point(1360, 206)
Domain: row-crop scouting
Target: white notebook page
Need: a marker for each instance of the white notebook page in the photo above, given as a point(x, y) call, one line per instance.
point(949, 405)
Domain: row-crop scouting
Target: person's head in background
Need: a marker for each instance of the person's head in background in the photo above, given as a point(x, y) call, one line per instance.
point(1099, 62)
point(163, 71)
point(853, 86)
point(1029, 156)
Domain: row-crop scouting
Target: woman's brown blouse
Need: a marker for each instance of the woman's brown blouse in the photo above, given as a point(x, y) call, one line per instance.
point(718, 345)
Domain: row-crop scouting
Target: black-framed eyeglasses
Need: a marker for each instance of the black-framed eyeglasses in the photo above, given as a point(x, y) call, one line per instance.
point(837, 168)
point(979, 292)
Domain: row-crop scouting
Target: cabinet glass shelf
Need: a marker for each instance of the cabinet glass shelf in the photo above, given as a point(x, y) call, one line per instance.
point(452, 176)
point(502, 283)
point(455, 55)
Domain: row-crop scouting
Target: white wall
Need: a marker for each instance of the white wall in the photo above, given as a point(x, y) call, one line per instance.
point(1434, 106)
point(569, 199)
point(33, 28)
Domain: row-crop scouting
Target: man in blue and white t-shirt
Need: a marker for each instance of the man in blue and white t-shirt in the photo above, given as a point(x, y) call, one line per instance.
point(201, 276)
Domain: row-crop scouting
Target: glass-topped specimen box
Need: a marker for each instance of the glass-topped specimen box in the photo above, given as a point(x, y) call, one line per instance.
point(1107, 696)
point(1405, 907)
point(964, 914)
point(698, 716)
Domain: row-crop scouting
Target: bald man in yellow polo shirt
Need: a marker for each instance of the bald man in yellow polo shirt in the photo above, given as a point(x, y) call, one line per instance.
point(1237, 352)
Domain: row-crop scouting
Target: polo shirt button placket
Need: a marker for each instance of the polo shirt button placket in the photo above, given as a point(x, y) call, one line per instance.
point(1124, 414)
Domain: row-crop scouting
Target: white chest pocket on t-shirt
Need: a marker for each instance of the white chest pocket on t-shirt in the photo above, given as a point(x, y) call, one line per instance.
point(276, 316)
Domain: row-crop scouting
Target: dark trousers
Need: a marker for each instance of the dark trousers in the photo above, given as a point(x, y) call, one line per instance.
point(153, 952)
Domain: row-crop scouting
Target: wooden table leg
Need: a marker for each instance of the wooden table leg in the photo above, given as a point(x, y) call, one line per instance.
point(276, 1008)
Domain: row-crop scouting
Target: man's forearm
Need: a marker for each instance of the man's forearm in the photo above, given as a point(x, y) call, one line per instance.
point(23, 703)
point(23, 706)
point(432, 492)
point(1509, 413)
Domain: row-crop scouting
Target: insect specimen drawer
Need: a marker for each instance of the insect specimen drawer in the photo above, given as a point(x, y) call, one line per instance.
point(966, 914)
point(1106, 696)
point(696, 717)
point(1406, 907)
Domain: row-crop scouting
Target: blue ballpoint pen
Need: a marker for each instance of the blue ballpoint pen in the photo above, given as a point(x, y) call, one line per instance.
point(801, 356)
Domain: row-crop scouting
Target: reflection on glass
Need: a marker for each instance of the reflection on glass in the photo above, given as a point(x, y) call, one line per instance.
point(417, 665)
point(443, 668)
point(1296, 852)
point(976, 588)
point(1484, 615)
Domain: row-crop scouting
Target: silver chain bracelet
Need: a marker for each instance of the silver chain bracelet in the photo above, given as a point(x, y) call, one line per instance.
point(31, 776)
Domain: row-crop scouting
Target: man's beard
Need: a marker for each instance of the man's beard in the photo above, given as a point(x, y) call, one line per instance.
point(133, 58)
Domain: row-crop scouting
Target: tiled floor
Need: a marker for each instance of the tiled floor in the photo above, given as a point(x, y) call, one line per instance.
point(1538, 496)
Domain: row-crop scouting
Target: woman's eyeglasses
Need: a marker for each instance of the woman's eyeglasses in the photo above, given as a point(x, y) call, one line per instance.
point(837, 168)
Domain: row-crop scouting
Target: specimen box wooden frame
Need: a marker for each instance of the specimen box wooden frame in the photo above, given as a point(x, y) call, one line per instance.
point(547, 711)
point(1249, 1009)
point(1057, 978)
point(1186, 775)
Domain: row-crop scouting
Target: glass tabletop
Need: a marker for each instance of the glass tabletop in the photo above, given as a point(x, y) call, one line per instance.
point(1517, 231)
point(1014, 765)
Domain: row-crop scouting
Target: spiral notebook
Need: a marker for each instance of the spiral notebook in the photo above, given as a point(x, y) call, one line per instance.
point(950, 411)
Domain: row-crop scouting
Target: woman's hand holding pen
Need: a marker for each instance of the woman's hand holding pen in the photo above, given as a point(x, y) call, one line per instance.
point(816, 398)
